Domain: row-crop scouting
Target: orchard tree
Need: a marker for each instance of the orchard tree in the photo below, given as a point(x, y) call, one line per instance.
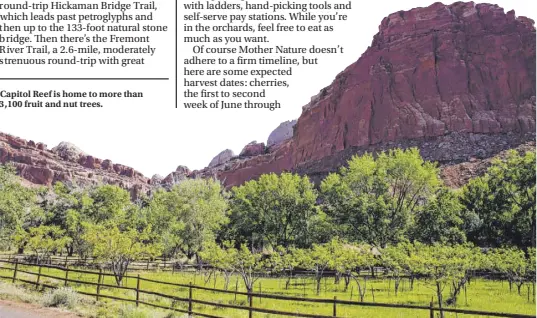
point(189, 215)
point(512, 263)
point(248, 265)
point(221, 259)
point(110, 243)
point(42, 240)
point(375, 200)
point(443, 265)
point(278, 210)
point(350, 260)
point(319, 258)
point(504, 202)
point(396, 259)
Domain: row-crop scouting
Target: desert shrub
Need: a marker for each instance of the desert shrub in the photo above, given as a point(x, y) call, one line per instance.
point(61, 297)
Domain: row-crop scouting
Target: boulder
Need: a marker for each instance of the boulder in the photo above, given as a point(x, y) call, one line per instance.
point(68, 151)
point(253, 149)
point(282, 133)
point(222, 158)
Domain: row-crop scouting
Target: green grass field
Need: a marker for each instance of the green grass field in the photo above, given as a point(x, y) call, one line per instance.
point(482, 294)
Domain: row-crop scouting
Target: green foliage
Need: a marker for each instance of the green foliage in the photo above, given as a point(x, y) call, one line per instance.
point(109, 203)
point(42, 240)
point(188, 215)
point(275, 211)
point(514, 264)
point(61, 297)
point(375, 200)
point(441, 220)
point(19, 207)
point(69, 208)
point(504, 202)
point(120, 247)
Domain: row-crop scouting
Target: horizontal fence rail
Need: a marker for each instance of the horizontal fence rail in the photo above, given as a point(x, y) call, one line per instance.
point(190, 300)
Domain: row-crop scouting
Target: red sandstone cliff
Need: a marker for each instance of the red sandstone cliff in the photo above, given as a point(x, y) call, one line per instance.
point(41, 166)
point(457, 81)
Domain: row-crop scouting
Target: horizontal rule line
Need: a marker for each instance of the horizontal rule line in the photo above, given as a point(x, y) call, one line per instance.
point(84, 79)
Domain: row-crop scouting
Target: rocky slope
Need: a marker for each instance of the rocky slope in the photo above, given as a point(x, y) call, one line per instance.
point(38, 165)
point(457, 81)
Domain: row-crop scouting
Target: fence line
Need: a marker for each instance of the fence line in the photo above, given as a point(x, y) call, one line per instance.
point(190, 300)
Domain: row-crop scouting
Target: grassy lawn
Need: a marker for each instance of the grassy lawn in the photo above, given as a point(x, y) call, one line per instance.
point(482, 294)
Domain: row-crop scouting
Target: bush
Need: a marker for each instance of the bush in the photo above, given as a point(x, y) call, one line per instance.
point(61, 297)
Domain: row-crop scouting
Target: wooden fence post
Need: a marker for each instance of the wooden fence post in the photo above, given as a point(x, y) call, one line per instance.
point(66, 276)
point(335, 306)
point(190, 300)
point(15, 271)
point(65, 265)
point(99, 283)
point(38, 278)
point(138, 291)
point(251, 299)
point(431, 315)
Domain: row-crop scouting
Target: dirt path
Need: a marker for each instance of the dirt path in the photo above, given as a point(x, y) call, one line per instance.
point(10, 309)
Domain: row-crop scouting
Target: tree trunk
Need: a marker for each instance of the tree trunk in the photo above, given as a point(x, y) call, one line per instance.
point(288, 280)
point(519, 286)
point(337, 278)
point(397, 281)
point(347, 278)
point(440, 299)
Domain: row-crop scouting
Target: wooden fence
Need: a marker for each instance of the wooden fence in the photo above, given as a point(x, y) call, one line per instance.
point(191, 300)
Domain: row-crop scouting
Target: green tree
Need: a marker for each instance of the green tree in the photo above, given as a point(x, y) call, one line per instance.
point(442, 265)
point(68, 208)
point(119, 246)
point(441, 220)
point(19, 207)
point(109, 203)
point(350, 260)
point(42, 240)
point(512, 263)
point(248, 265)
point(375, 200)
point(276, 210)
point(319, 258)
point(504, 202)
point(220, 258)
point(188, 215)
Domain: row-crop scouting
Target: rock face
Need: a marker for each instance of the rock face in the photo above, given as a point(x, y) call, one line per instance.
point(429, 72)
point(68, 164)
point(253, 149)
point(457, 81)
point(222, 158)
point(282, 133)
